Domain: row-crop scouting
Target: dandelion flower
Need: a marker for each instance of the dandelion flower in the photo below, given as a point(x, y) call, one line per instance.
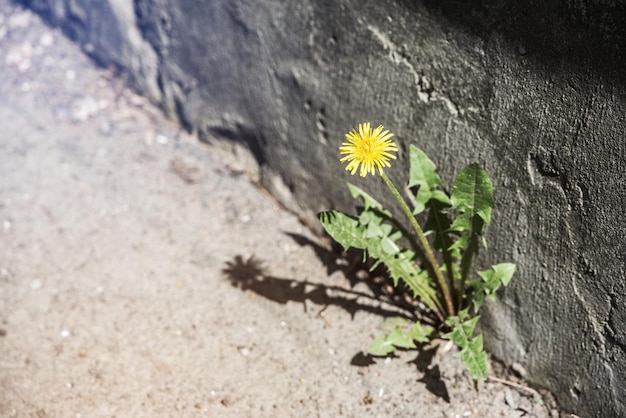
point(369, 149)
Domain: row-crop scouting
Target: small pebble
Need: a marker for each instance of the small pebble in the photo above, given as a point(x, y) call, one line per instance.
point(519, 369)
point(161, 140)
point(509, 398)
point(36, 284)
point(46, 39)
point(6, 225)
point(65, 333)
point(84, 109)
point(24, 65)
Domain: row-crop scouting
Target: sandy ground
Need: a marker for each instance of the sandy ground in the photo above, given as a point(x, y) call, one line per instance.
point(143, 275)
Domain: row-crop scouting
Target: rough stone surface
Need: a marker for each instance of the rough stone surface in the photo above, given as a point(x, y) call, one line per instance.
point(532, 90)
point(143, 275)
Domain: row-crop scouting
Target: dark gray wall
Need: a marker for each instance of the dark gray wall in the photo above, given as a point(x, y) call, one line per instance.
point(532, 90)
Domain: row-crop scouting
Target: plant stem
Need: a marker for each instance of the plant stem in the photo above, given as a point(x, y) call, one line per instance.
point(466, 263)
point(466, 260)
point(427, 249)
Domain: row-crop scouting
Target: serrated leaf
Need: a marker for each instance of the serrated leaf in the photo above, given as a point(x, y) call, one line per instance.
point(423, 174)
point(394, 322)
point(461, 330)
point(368, 201)
point(367, 217)
point(381, 346)
point(343, 228)
point(490, 281)
point(504, 272)
point(372, 229)
point(471, 352)
point(400, 339)
point(472, 195)
point(474, 358)
point(439, 223)
point(400, 262)
point(419, 333)
point(496, 276)
point(389, 246)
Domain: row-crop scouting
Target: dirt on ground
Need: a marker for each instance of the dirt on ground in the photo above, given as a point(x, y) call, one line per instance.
point(143, 274)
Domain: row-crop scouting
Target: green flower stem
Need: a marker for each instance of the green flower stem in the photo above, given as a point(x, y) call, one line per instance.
point(427, 249)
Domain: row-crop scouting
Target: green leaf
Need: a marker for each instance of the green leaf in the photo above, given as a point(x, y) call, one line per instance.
point(381, 346)
point(462, 329)
point(472, 197)
point(490, 282)
point(439, 223)
point(368, 201)
point(380, 243)
point(472, 354)
point(474, 358)
point(392, 323)
point(389, 246)
point(472, 194)
point(420, 334)
point(497, 275)
point(343, 228)
point(423, 174)
point(400, 339)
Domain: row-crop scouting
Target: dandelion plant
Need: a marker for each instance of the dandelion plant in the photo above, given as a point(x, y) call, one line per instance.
point(437, 272)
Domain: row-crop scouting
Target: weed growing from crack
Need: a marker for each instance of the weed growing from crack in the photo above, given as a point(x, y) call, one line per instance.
point(456, 222)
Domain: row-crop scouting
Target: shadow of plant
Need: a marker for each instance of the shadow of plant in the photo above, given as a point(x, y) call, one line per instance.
point(249, 274)
point(351, 264)
point(431, 373)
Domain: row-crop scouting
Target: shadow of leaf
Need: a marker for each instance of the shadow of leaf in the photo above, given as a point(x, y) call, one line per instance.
point(249, 274)
point(432, 374)
point(361, 359)
point(355, 270)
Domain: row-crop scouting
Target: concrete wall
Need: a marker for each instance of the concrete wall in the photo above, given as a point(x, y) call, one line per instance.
point(533, 90)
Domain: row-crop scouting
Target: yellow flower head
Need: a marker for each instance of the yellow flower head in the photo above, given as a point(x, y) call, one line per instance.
point(369, 149)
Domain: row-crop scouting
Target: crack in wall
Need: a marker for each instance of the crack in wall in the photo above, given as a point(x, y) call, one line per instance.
point(612, 325)
point(595, 325)
point(426, 93)
point(543, 167)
